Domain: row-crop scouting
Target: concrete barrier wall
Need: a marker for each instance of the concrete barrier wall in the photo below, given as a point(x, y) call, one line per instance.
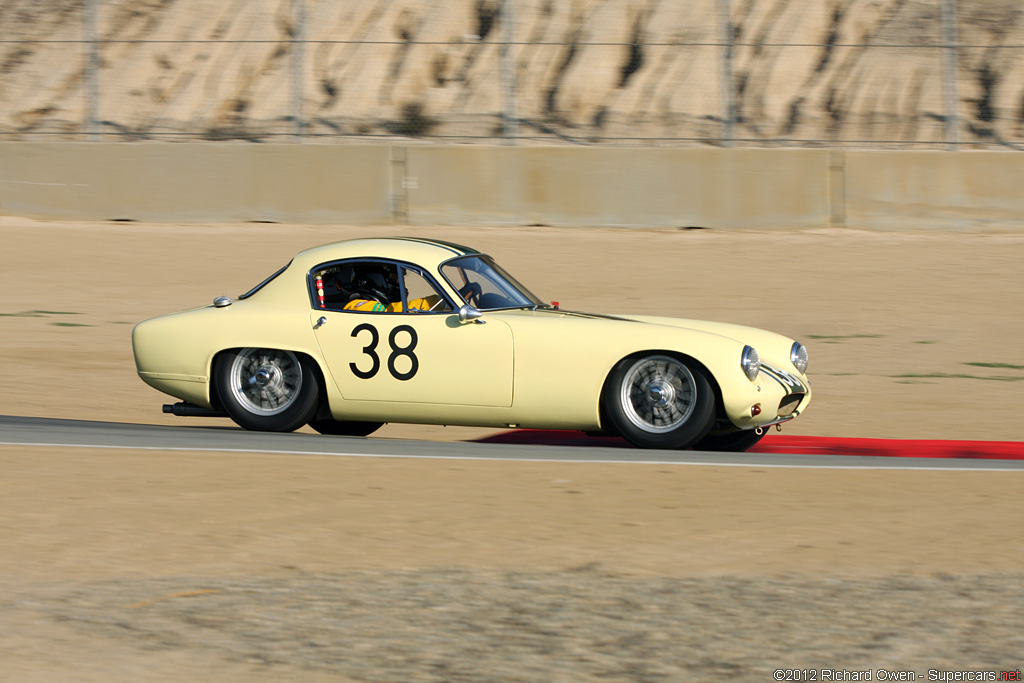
point(618, 187)
point(935, 190)
point(195, 182)
point(483, 185)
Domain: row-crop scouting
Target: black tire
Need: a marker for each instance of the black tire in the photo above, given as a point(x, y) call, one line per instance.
point(735, 442)
point(266, 390)
point(659, 401)
point(345, 428)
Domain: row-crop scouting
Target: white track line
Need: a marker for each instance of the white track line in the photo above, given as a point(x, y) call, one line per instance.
point(511, 459)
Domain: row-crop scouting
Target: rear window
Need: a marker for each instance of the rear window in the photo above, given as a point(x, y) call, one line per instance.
point(265, 282)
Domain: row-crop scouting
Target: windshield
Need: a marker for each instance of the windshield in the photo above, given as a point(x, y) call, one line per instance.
point(484, 284)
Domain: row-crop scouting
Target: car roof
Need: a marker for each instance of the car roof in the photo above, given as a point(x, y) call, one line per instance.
point(420, 251)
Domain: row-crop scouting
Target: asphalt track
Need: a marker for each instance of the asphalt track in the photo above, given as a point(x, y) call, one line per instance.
point(35, 431)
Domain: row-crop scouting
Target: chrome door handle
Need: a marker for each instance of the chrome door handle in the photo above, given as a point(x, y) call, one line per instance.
point(320, 323)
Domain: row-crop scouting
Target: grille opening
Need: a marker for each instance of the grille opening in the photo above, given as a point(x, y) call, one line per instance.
point(789, 404)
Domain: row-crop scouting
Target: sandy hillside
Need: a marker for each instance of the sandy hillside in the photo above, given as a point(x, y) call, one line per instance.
point(585, 71)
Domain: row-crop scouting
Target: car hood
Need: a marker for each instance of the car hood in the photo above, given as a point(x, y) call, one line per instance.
point(740, 333)
point(772, 347)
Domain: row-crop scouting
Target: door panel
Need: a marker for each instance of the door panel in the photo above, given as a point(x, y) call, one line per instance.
point(417, 357)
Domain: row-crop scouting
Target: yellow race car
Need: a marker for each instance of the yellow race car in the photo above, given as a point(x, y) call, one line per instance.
point(354, 334)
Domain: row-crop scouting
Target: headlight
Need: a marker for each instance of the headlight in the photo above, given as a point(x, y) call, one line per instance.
point(750, 362)
point(798, 357)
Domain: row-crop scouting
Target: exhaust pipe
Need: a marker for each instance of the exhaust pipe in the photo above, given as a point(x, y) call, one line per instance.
point(192, 410)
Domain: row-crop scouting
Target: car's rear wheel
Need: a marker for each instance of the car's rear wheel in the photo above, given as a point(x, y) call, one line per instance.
point(266, 390)
point(732, 441)
point(659, 401)
point(345, 427)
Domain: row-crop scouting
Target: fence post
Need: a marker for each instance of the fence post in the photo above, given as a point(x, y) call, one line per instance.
point(510, 123)
point(725, 40)
point(950, 72)
point(92, 68)
point(298, 68)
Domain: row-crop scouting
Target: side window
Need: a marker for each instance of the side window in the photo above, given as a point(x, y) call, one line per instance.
point(375, 287)
point(365, 286)
point(420, 295)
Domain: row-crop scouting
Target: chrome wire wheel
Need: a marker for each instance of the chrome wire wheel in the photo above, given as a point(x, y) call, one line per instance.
point(658, 394)
point(265, 382)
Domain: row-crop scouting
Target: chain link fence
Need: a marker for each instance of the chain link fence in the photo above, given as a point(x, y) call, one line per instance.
point(823, 73)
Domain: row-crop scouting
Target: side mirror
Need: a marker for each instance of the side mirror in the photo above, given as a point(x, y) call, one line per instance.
point(468, 314)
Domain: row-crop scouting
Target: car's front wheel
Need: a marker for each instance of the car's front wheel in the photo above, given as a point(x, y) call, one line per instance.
point(266, 390)
point(659, 401)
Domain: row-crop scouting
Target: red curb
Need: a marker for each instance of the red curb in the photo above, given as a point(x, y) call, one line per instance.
point(896, 448)
point(814, 445)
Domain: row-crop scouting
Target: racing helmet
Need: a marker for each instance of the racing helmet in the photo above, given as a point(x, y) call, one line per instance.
point(372, 282)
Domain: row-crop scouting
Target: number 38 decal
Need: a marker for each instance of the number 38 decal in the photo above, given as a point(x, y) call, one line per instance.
point(396, 352)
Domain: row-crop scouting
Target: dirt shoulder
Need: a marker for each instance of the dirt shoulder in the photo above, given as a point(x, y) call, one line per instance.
point(231, 567)
point(95, 514)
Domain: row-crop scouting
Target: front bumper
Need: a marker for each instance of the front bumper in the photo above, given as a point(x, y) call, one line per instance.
point(778, 396)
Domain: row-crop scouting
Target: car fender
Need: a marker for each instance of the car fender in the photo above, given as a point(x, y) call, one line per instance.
point(175, 353)
point(560, 370)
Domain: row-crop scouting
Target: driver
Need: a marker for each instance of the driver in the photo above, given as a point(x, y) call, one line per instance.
point(471, 292)
point(374, 289)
